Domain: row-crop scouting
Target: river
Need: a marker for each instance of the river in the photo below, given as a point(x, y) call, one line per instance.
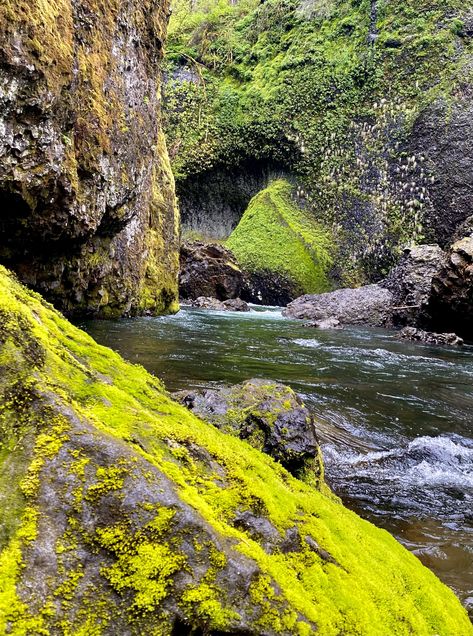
point(395, 419)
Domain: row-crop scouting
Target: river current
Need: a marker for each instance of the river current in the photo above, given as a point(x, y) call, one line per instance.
point(395, 419)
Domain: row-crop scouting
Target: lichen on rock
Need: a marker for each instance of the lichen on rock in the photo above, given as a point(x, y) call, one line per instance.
point(123, 513)
point(89, 214)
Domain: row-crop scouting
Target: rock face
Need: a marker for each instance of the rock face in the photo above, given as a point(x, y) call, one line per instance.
point(123, 513)
point(86, 193)
point(270, 416)
point(451, 301)
point(209, 269)
point(370, 305)
point(411, 282)
point(427, 337)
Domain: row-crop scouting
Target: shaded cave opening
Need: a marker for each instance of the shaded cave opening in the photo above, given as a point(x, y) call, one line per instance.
point(14, 215)
point(213, 202)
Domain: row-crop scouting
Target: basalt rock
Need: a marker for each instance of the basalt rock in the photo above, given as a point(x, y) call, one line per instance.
point(451, 301)
point(410, 282)
point(209, 269)
point(428, 337)
point(123, 513)
point(270, 416)
point(370, 305)
point(86, 192)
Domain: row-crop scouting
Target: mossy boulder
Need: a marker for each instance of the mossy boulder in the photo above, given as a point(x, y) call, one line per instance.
point(123, 513)
point(89, 213)
point(284, 249)
point(268, 415)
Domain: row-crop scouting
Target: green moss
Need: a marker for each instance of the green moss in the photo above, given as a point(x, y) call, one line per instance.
point(274, 235)
point(146, 558)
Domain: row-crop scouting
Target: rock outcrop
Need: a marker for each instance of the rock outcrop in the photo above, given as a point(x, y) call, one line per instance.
point(451, 300)
point(209, 269)
point(233, 304)
point(123, 513)
point(410, 282)
point(370, 305)
point(86, 192)
point(268, 415)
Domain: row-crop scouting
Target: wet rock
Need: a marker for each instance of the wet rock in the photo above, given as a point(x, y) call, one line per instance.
point(270, 416)
point(451, 301)
point(370, 305)
point(88, 211)
point(209, 269)
point(428, 337)
point(328, 323)
point(410, 283)
point(234, 304)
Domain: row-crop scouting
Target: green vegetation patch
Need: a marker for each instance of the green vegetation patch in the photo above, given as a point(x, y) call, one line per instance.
point(275, 235)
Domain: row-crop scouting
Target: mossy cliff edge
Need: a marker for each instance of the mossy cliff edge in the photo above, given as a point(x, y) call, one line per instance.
point(87, 195)
point(365, 104)
point(120, 512)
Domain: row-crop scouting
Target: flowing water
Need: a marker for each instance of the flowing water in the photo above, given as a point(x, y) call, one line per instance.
point(395, 418)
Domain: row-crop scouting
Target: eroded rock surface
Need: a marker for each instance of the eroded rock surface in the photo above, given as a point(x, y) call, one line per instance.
point(209, 269)
point(370, 305)
point(451, 301)
point(428, 337)
point(270, 416)
point(88, 213)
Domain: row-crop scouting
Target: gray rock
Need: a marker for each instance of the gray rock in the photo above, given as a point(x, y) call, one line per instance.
point(410, 282)
point(270, 416)
point(369, 305)
point(328, 323)
point(428, 337)
point(234, 304)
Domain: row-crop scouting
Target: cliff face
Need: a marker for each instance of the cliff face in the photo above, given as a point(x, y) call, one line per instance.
point(88, 213)
point(365, 106)
point(123, 513)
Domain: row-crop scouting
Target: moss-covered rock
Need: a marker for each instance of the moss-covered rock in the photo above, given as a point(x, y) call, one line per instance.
point(122, 513)
point(87, 195)
point(275, 236)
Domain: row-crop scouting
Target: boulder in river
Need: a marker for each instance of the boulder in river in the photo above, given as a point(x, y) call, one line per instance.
point(428, 337)
point(370, 305)
point(122, 513)
point(209, 269)
point(270, 416)
point(233, 304)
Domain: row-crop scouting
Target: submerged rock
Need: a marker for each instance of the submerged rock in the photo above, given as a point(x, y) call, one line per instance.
point(370, 305)
point(123, 513)
point(428, 337)
point(270, 416)
point(88, 211)
point(209, 269)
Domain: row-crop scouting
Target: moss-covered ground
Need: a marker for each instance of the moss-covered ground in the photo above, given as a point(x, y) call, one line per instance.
point(118, 512)
point(276, 236)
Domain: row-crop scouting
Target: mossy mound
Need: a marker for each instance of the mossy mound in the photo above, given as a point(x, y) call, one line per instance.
point(119, 512)
point(275, 236)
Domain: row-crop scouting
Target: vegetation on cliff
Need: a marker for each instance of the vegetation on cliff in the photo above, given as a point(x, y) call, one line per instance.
point(120, 512)
point(343, 96)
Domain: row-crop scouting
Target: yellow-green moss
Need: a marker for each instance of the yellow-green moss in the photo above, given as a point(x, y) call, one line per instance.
point(274, 235)
point(372, 586)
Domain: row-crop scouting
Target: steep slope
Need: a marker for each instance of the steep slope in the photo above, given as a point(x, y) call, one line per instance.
point(119, 512)
point(88, 213)
point(366, 104)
